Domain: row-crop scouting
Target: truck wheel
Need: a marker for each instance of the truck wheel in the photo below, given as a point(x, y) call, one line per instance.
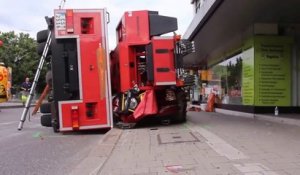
point(46, 120)
point(45, 108)
point(42, 36)
point(40, 49)
point(180, 116)
point(116, 105)
point(50, 96)
point(55, 125)
point(55, 121)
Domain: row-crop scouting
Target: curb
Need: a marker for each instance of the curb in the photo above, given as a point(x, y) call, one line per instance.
point(287, 121)
point(98, 156)
point(280, 120)
point(14, 106)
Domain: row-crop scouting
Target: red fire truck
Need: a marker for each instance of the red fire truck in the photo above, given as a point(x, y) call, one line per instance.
point(90, 88)
point(146, 69)
point(80, 81)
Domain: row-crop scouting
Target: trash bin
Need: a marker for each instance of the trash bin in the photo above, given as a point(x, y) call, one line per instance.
point(203, 106)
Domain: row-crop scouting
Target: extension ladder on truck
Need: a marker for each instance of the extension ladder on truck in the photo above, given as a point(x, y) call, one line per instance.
point(36, 77)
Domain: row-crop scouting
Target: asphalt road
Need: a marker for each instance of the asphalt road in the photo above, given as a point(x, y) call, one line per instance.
point(37, 150)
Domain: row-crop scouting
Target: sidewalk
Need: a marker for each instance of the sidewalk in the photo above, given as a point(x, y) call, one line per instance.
point(14, 103)
point(209, 144)
point(11, 104)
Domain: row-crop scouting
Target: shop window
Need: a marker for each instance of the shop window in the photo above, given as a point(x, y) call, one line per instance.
point(226, 81)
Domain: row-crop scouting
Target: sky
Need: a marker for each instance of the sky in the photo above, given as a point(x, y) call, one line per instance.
point(27, 16)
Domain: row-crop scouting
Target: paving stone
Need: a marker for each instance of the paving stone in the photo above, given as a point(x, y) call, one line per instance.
point(202, 146)
point(145, 173)
point(138, 151)
point(263, 155)
point(102, 150)
point(283, 165)
point(293, 171)
point(139, 170)
point(149, 164)
point(157, 169)
point(88, 165)
point(251, 167)
point(283, 160)
point(176, 137)
point(110, 172)
point(217, 159)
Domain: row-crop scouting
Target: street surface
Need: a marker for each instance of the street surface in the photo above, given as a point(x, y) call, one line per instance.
point(38, 150)
point(208, 144)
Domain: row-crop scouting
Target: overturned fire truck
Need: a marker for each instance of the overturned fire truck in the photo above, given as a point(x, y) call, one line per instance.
point(90, 88)
point(147, 77)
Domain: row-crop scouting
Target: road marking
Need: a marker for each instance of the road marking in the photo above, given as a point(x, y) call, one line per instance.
point(217, 144)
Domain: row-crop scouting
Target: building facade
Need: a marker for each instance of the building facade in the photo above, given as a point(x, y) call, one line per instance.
point(250, 51)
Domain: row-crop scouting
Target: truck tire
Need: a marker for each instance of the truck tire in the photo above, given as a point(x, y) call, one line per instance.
point(55, 125)
point(42, 36)
point(180, 116)
point(45, 108)
point(46, 120)
point(40, 49)
point(54, 120)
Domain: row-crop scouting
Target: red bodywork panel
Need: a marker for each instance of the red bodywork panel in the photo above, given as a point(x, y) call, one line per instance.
point(145, 60)
point(133, 28)
point(92, 110)
point(133, 36)
point(148, 105)
point(125, 72)
point(69, 117)
point(163, 61)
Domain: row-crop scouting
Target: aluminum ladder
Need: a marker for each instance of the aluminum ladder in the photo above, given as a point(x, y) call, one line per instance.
point(36, 77)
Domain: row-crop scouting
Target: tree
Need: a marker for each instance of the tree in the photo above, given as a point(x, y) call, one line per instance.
point(19, 52)
point(235, 73)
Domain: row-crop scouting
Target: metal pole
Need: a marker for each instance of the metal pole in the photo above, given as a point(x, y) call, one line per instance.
point(36, 77)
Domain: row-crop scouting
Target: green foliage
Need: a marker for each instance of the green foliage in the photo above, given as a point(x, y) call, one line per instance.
point(19, 52)
point(235, 73)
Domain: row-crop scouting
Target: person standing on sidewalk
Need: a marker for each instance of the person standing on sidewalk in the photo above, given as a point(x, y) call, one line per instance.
point(25, 87)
